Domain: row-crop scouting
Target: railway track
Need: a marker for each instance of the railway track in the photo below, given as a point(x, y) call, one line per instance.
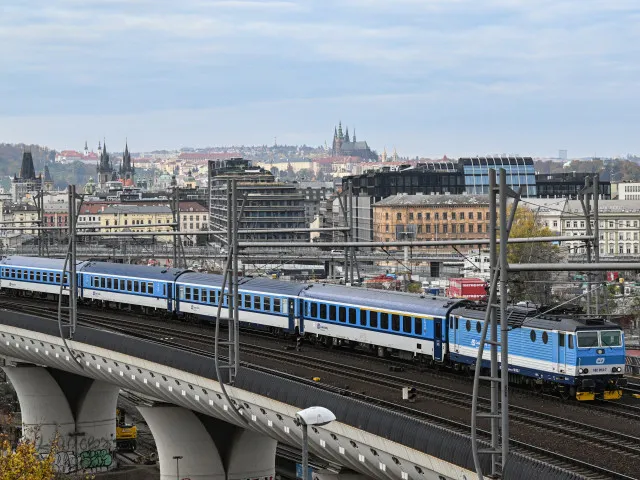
point(590, 434)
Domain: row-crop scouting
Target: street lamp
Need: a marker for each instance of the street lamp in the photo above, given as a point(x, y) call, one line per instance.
point(177, 458)
point(314, 416)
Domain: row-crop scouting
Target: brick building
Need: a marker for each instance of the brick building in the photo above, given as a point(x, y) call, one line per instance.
point(431, 217)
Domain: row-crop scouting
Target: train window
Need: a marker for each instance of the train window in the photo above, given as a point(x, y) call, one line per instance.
point(417, 326)
point(363, 317)
point(20, 274)
point(342, 314)
point(32, 275)
point(545, 337)
point(561, 339)
point(533, 335)
point(143, 287)
point(478, 327)
point(285, 307)
point(96, 282)
point(150, 287)
point(122, 284)
point(352, 316)
point(332, 313)
point(314, 310)
point(395, 323)
point(256, 302)
point(129, 285)
point(384, 321)
point(267, 303)
point(136, 286)
point(570, 341)
point(38, 276)
point(587, 339)
point(57, 278)
point(611, 338)
point(276, 304)
point(103, 282)
point(109, 283)
point(247, 301)
point(66, 279)
point(451, 323)
point(164, 289)
point(196, 294)
point(373, 319)
point(468, 326)
point(406, 324)
point(323, 311)
point(187, 293)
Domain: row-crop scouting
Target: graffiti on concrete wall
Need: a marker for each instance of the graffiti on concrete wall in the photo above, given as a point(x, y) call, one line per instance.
point(81, 454)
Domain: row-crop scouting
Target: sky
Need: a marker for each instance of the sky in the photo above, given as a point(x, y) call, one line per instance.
point(426, 77)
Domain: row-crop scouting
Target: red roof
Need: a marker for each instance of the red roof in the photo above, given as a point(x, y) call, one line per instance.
point(70, 153)
point(187, 206)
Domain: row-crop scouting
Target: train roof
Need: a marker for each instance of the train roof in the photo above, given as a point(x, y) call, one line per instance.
point(528, 317)
point(36, 262)
point(382, 299)
point(134, 271)
point(265, 285)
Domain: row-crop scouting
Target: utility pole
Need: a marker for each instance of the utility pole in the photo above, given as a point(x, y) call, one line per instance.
point(596, 235)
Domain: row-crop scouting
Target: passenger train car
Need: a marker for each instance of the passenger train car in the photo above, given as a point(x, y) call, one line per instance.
point(577, 358)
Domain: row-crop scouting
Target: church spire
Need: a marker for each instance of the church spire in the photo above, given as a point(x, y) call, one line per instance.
point(354, 134)
point(346, 135)
point(340, 135)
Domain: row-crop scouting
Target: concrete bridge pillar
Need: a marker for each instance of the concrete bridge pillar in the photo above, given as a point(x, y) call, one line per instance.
point(76, 412)
point(210, 449)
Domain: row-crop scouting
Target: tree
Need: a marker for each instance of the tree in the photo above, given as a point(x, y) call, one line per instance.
point(25, 463)
point(530, 286)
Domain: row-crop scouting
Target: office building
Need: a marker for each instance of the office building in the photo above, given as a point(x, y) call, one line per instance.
point(568, 185)
point(431, 217)
point(269, 204)
point(520, 174)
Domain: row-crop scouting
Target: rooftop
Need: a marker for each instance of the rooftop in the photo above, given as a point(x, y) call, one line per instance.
point(417, 200)
point(144, 209)
point(607, 206)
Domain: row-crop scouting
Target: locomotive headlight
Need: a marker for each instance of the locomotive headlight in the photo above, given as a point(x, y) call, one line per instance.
point(586, 370)
point(580, 370)
point(600, 351)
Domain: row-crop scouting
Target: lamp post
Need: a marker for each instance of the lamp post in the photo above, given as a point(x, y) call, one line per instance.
point(314, 416)
point(177, 458)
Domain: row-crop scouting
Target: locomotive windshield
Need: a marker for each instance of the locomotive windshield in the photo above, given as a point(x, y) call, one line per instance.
point(587, 339)
point(608, 338)
point(612, 338)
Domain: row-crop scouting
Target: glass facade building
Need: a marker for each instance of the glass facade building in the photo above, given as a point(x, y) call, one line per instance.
point(520, 173)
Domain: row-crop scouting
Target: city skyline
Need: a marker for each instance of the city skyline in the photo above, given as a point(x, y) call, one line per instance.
point(430, 78)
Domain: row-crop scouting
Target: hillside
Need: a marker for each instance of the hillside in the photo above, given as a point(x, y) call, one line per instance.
point(11, 157)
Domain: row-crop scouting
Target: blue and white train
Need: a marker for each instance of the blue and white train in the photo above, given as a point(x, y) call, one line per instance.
point(579, 358)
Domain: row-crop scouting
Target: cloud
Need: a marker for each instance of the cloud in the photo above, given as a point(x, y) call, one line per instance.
point(108, 56)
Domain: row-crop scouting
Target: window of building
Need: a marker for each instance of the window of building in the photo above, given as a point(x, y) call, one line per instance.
point(436, 216)
point(479, 216)
point(461, 215)
point(386, 216)
point(410, 215)
point(470, 215)
point(453, 215)
point(453, 228)
point(427, 216)
point(479, 228)
point(445, 228)
point(444, 215)
point(419, 215)
point(470, 228)
point(427, 228)
point(399, 216)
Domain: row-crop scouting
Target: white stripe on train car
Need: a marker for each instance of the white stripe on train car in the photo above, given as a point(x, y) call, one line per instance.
point(33, 286)
point(117, 297)
point(269, 320)
point(371, 337)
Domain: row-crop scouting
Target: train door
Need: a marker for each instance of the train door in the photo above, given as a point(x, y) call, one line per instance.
point(453, 334)
point(301, 314)
point(437, 339)
point(292, 315)
point(562, 358)
point(169, 296)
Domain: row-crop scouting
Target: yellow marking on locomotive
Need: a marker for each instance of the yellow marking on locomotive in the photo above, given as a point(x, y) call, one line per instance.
point(636, 395)
point(612, 394)
point(585, 396)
